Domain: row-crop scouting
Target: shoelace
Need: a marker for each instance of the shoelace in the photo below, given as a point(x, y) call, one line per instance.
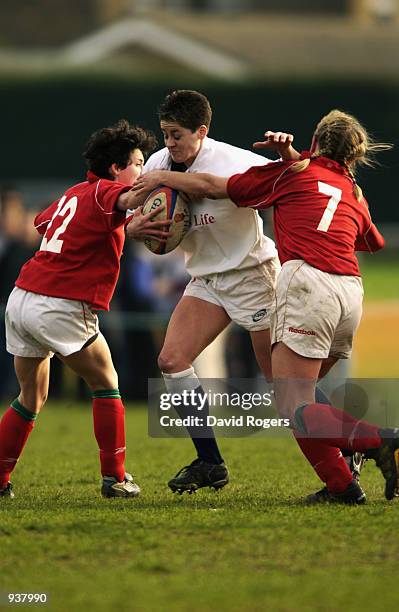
point(193, 466)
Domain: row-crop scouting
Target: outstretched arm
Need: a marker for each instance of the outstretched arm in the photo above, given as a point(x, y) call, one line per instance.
point(198, 185)
point(129, 200)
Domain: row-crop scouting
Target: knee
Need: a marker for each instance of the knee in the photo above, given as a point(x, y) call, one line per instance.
point(172, 361)
point(166, 361)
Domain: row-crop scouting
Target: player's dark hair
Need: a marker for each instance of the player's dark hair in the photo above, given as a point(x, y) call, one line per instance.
point(188, 108)
point(114, 145)
point(342, 138)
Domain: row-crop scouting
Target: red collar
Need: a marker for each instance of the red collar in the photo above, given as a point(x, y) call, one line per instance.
point(326, 162)
point(91, 177)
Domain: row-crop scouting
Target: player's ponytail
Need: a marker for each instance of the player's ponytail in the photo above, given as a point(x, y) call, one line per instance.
point(300, 165)
point(341, 137)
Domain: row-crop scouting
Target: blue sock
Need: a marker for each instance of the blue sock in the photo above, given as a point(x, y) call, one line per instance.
point(203, 437)
point(206, 447)
point(321, 397)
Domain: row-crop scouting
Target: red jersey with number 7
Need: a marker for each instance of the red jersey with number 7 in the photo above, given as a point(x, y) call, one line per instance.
point(79, 256)
point(317, 217)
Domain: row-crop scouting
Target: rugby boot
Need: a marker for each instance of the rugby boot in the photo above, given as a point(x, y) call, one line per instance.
point(355, 463)
point(353, 495)
point(7, 491)
point(387, 459)
point(112, 488)
point(199, 474)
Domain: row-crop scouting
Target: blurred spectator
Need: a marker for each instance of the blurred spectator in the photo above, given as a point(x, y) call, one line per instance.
point(170, 280)
point(11, 216)
point(239, 354)
point(18, 242)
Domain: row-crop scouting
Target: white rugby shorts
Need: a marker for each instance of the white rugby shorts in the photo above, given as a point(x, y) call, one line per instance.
point(246, 295)
point(316, 314)
point(39, 325)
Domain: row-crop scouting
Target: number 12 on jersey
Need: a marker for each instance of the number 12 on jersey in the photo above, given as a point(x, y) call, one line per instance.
point(54, 244)
point(336, 195)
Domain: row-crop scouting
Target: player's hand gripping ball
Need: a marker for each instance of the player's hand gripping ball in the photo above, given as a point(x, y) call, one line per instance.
point(172, 205)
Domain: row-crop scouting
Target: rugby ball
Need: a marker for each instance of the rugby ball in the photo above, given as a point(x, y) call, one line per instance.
point(172, 205)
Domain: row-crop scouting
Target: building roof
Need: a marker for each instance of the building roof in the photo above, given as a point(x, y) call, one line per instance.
point(233, 48)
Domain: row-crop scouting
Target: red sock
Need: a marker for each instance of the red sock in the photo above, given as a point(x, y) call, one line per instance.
point(109, 429)
point(327, 462)
point(334, 427)
point(15, 427)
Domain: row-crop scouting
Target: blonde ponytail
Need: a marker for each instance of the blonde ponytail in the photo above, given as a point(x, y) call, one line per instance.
point(342, 138)
point(300, 165)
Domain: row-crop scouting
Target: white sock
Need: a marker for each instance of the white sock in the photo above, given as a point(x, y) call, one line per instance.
point(177, 382)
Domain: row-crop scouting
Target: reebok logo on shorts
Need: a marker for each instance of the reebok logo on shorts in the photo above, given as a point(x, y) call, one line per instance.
point(306, 332)
point(259, 315)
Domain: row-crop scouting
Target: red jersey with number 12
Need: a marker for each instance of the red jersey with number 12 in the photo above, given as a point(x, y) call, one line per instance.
point(79, 256)
point(317, 217)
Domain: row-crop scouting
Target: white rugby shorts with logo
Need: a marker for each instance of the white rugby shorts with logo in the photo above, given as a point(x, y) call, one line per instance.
point(316, 314)
point(246, 295)
point(39, 325)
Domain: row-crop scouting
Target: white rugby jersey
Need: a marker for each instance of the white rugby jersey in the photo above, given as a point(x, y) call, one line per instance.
point(222, 236)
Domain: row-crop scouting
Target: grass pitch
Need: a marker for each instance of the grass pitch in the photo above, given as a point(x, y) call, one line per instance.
point(379, 274)
point(252, 546)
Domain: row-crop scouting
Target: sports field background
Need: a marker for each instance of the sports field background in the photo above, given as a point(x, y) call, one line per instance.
point(376, 353)
point(254, 546)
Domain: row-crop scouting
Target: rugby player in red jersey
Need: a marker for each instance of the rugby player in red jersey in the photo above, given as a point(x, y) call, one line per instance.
point(321, 218)
point(52, 309)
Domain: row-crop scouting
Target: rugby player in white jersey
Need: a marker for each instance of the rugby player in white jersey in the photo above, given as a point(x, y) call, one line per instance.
point(233, 266)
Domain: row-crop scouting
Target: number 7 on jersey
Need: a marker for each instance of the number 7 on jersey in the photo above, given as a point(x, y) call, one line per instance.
point(336, 195)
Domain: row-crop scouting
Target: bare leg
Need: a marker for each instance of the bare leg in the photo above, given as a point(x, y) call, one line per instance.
point(327, 429)
point(18, 421)
point(194, 324)
point(94, 364)
point(33, 377)
point(294, 378)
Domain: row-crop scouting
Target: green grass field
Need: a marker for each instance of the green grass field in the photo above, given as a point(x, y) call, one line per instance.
point(380, 274)
point(252, 546)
